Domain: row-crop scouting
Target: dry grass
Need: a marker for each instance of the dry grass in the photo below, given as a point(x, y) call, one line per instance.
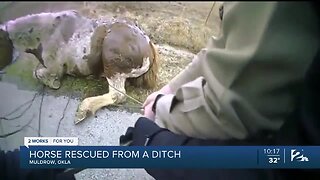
point(176, 24)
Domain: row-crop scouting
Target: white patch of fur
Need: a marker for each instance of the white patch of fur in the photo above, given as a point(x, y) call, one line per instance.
point(139, 71)
point(63, 40)
point(24, 31)
point(118, 81)
point(3, 27)
point(77, 47)
point(15, 55)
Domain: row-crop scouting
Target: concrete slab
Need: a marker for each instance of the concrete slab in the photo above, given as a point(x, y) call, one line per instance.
point(103, 129)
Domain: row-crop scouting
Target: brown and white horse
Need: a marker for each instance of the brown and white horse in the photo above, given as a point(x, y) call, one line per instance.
point(67, 43)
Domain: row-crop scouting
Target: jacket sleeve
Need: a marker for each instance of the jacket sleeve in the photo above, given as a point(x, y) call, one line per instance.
point(191, 72)
point(252, 71)
point(147, 133)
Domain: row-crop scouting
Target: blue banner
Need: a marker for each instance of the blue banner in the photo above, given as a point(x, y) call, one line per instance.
point(236, 157)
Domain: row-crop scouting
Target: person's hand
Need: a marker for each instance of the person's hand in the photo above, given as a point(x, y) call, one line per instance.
point(147, 105)
point(150, 99)
point(164, 90)
point(147, 111)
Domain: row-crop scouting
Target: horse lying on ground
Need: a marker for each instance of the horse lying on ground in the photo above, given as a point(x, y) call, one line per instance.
point(67, 43)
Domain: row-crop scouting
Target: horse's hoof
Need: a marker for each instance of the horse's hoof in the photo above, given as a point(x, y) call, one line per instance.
point(81, 115)
point(55, 84)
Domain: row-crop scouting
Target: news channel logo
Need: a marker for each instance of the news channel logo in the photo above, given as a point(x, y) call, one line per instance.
point(298, 156)
point(278, 156)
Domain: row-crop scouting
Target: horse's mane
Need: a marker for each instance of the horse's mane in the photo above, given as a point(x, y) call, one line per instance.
point(40, 18)
point(44, 14)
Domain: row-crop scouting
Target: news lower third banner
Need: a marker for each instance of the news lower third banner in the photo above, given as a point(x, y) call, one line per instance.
point(56, 152)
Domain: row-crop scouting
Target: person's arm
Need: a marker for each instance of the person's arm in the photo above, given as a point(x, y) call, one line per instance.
point(249, 71)
point(146, 133)
point(190, 73)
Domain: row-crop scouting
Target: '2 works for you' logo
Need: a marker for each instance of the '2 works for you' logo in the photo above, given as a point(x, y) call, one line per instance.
point(298, 155)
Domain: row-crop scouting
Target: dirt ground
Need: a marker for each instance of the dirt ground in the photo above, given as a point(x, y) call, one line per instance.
point(178, 29)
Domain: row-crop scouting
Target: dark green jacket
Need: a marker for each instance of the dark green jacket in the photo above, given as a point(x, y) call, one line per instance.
point(248, 78)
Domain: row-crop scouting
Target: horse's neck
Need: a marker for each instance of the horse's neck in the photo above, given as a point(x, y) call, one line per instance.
point(27, 32)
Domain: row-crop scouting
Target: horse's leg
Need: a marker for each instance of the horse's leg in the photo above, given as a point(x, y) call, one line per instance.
point(52, 74)
point(92, 104)
point(50, 77)
point(47, 78)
